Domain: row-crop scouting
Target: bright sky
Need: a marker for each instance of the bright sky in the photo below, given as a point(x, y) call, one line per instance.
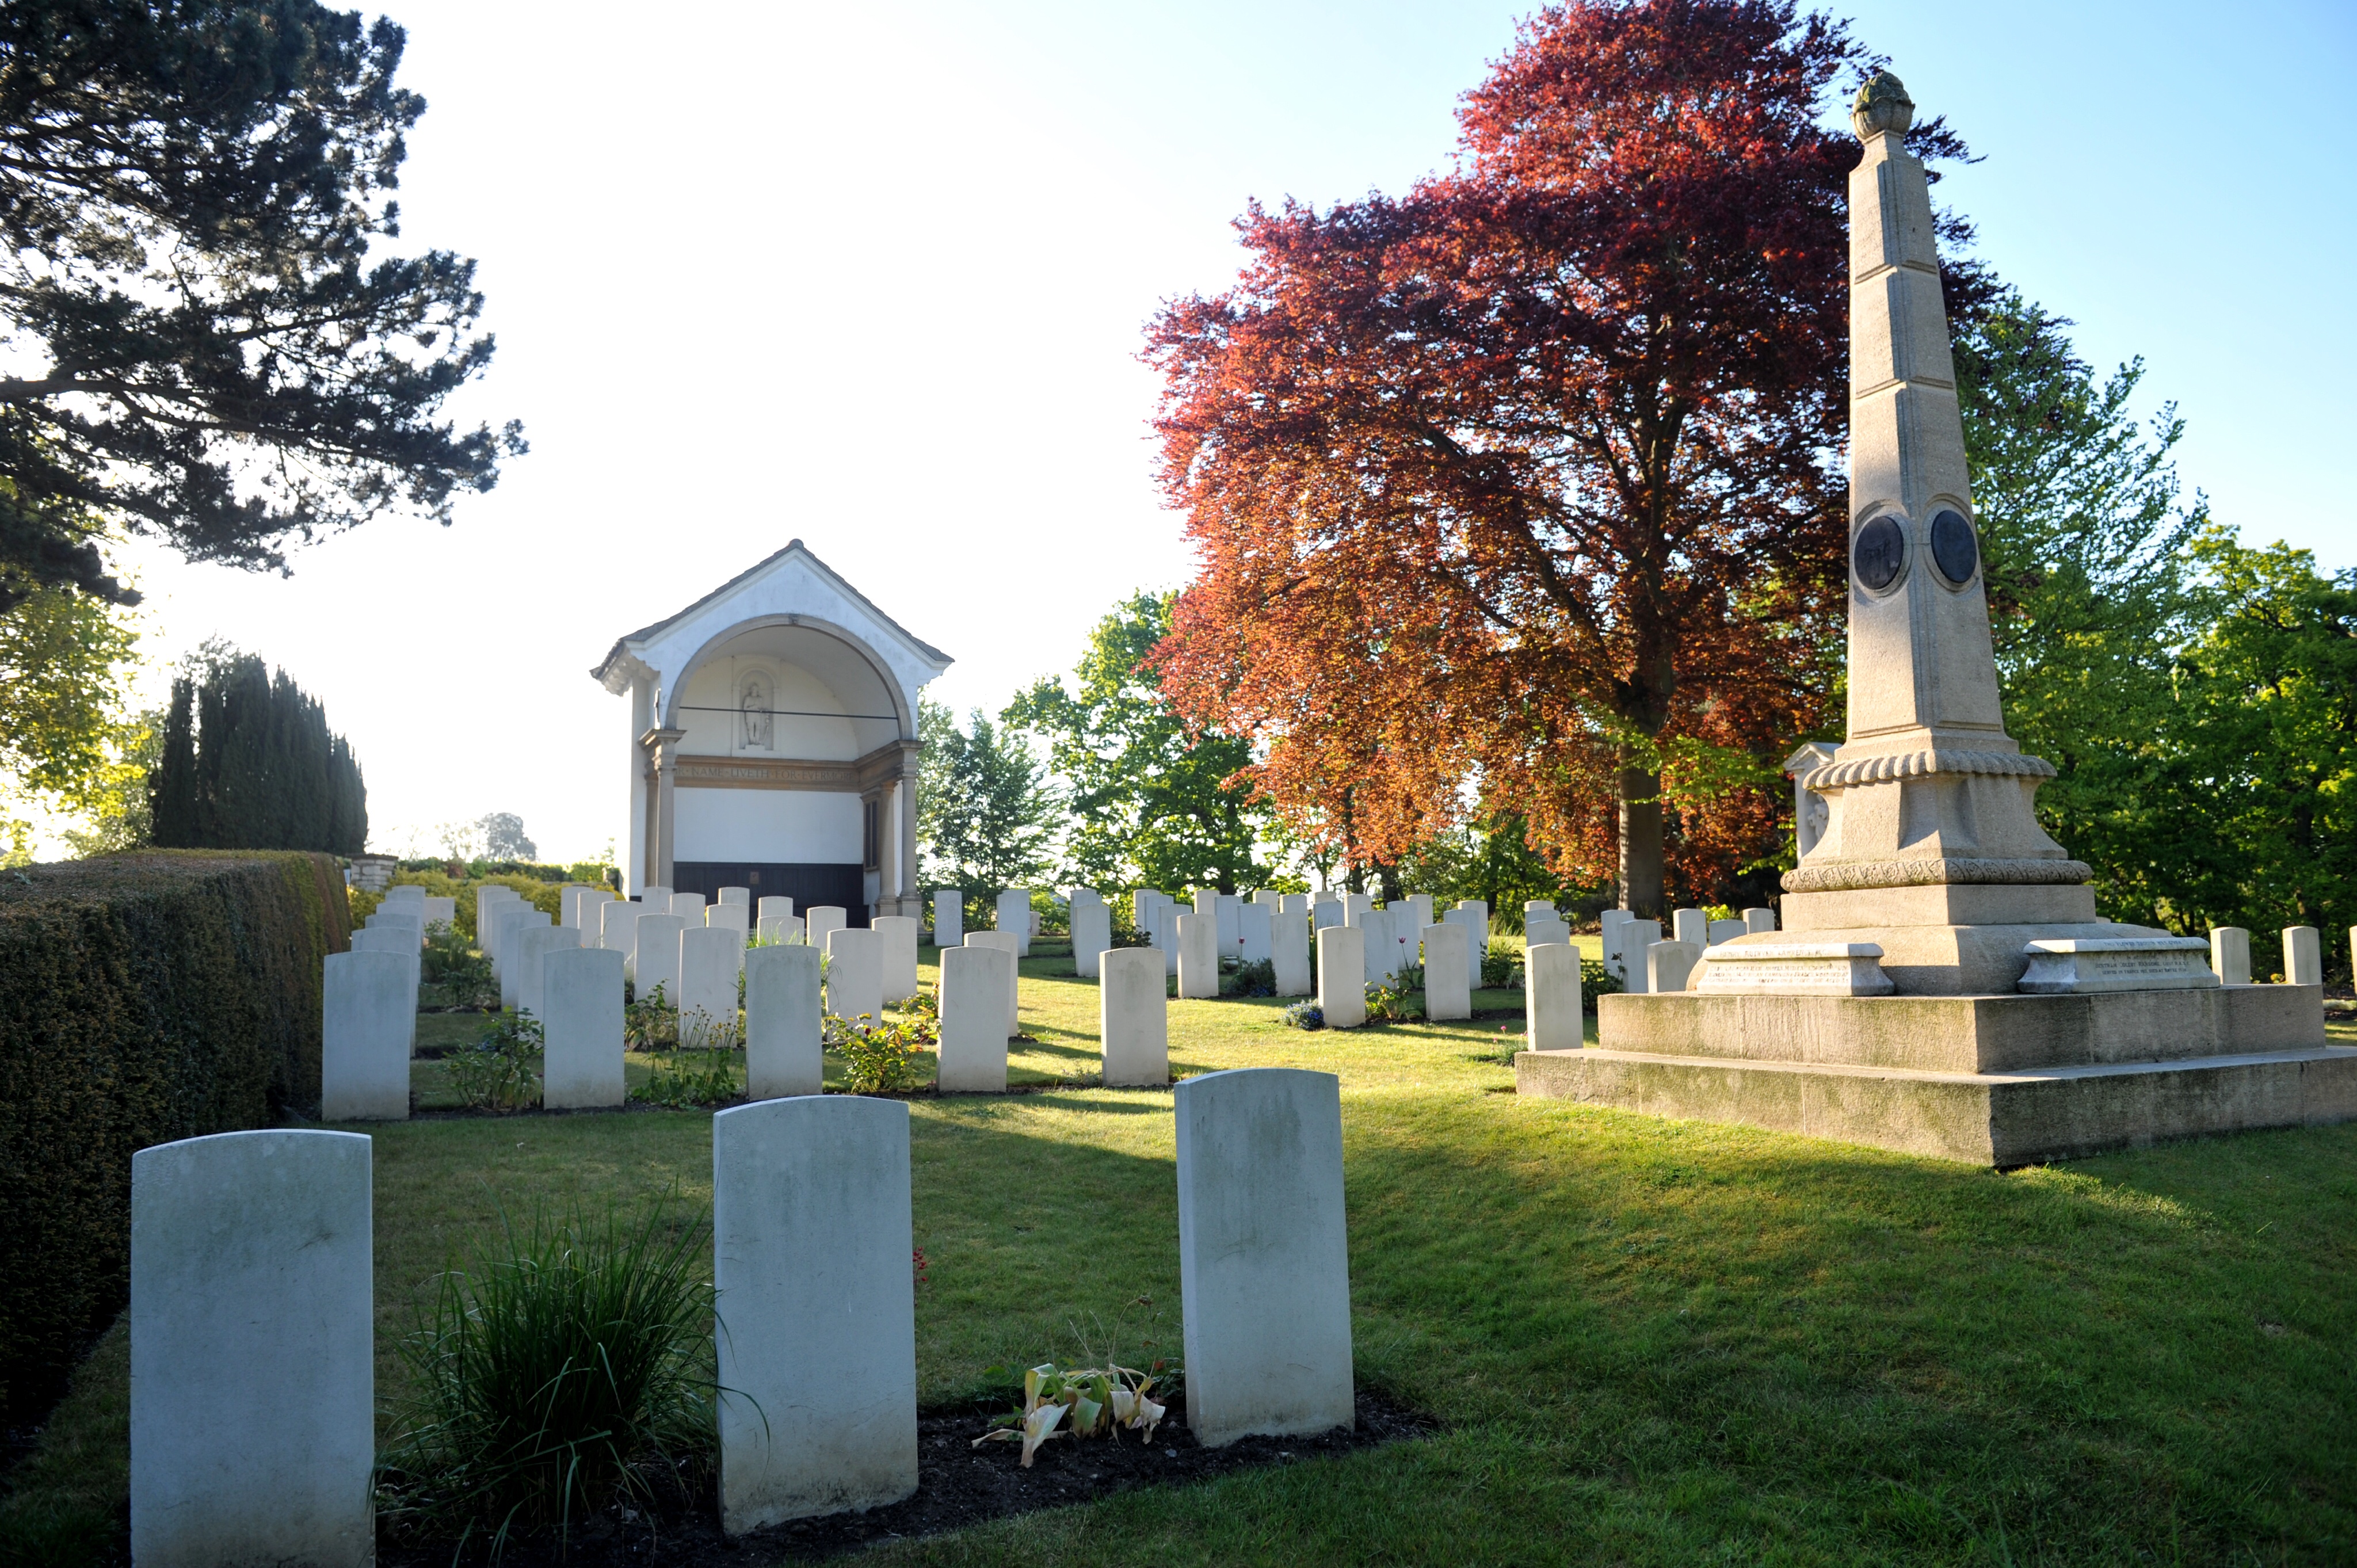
point(874, 276)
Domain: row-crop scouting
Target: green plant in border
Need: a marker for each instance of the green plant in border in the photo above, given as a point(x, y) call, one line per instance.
point(558, 1375)
point(711, 1081)
point(501, 1071)
point(650, 1023)
point(1392, 1004)
point(886, 1058)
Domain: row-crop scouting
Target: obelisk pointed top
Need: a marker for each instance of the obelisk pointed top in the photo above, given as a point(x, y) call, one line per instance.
point(1881, 105)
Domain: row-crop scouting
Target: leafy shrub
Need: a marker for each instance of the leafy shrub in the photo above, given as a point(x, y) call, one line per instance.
point(1303, 1016)
point(1596, 981)
point(1081, 1401)
point(1390, 1004)
point(1498, 968)
point(650, 1023)
point(886, 1058)
point(451, 974)
point(501, 1071)
point(562, 1372)
point(1255, 979)
point(144, 997)
point(711, 1079)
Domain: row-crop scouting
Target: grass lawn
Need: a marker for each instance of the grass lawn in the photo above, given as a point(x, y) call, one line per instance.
point(1649, 1342)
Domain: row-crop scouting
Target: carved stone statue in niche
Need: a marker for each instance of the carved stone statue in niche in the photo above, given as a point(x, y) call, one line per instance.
point(756, 699)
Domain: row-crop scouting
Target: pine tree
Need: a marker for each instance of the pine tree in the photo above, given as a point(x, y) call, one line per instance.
point(257, 768)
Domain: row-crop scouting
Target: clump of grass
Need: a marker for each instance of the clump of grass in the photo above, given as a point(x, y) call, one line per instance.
point(566, 1369)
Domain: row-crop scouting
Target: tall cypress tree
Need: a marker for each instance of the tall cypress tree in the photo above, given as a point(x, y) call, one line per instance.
point(254, 767)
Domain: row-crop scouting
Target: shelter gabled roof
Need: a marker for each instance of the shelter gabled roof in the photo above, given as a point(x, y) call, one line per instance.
point(626, 644)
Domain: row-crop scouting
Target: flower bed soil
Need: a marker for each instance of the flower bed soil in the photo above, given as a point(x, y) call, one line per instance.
point(958, 1485)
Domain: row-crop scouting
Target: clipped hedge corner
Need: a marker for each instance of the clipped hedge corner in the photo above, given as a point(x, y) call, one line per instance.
point(144, 997)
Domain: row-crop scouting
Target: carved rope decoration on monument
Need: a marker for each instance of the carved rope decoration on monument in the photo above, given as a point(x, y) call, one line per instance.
point(1928, 789)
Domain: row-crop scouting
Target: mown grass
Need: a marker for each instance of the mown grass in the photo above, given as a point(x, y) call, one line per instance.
point(1649, 1342)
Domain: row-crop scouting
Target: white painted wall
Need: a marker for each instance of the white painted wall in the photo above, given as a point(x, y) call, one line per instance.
point(788, 825)
point(722, 734)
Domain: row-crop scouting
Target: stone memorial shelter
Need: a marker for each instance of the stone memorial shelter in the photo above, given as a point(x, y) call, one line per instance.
point(773, 741)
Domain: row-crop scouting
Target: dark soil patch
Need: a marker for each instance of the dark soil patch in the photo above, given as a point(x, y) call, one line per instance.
point(958, 1485)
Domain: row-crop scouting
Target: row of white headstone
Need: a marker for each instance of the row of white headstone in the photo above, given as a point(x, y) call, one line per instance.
point(369, 1013)
point(253, 1331)
point(2303, 954)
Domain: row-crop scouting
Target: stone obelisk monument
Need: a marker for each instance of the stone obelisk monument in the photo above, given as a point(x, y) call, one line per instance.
point(1943, 982)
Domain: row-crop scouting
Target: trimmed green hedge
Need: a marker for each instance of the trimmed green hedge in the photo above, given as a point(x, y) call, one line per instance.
point(144, 997)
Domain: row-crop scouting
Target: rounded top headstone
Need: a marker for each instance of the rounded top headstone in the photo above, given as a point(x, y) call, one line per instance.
point(1882, 106)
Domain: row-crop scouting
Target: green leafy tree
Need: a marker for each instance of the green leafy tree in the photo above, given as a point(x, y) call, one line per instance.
point(210, 342)
point(1152, 805)
point(985, 814)
point(66, 742)
point(2086, 537)
point(247, 762)
point(2254, 818)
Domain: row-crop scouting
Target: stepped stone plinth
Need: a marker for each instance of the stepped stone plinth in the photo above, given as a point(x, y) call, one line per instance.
point(1943, 982)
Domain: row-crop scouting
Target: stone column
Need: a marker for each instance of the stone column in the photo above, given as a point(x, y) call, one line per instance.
point(662, 748)
point(905, 796)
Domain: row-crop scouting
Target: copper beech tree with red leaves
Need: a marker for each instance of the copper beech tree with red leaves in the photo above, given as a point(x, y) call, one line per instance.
point(1531, 479)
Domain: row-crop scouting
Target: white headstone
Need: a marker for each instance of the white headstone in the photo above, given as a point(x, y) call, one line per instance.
point(1293, 904)
point(785, 1051)
point(1691, 926)
point(811, 1231)
point(1342, 976)
point(1263, 1254)
point(1447, 972)
point(776, 929)
point(742, 897)
point(253, 1351)
point(1165, 932)
point(506, 916)
point(1477, 913)
point(976, 981)
point(397, 943)
point(1092, 931)
point(1288, 950)
point(1723, 931)
point(441, 912)
point(1542, 930)
point(1551, 990)
point(1014, 915)
point(2230, 954)
point(1475, 925)
point(368, 1017)
point(656, 962)
point(949, 919)
point(1004, 941)
point(2303, 956)
point(820, 918)
point(568, 905)
point(617, 927)
point(896, 937)
point(690, 906)
point(1254, 934)
point(581, 1057)
point(401, 891)
point(709, 959)
point(656, 897)
point(509, 964)
point(532, 946)
point(1357, 901)
point(1668, 965)
point(1134, 1018)
point(1420, 906)
point(1228, 910)
point(737, 918)
point(503, 898)
point(1328, 912)
point(854, 975)
point(405, 919)
point(1537, 910)
point(773, 907)
point(1609, 923)
point(1758, 921)
point(1636, 936)
point(1198, 954)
